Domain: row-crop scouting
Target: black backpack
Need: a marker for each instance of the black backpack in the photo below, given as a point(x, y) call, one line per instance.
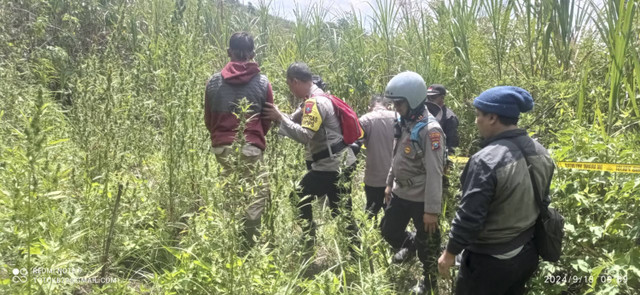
point(549, 227)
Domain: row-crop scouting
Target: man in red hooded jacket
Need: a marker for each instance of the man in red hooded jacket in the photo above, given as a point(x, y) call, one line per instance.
point(239, 79)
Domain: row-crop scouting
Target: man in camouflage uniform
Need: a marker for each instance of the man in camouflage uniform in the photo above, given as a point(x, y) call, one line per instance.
point(414, 183)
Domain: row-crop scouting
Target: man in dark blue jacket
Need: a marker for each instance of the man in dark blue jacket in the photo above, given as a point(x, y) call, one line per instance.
point(446, 117)
point(495, 220)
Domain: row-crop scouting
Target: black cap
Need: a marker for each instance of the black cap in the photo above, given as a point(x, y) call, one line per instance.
point(436, 89)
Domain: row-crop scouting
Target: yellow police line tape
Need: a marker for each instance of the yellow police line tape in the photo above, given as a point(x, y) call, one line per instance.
point(622, 168)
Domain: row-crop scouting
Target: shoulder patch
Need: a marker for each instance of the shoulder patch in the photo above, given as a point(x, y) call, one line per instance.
point(311, 118)
point(435, 140)
point(308, 107)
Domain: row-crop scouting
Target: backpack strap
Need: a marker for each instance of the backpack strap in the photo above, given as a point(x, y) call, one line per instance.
point(416, 141)
point(331, 148)
point(415, 131)
point(536, 192)
point(336, 112)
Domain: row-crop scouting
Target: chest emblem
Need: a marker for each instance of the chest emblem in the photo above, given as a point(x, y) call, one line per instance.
point(407, 149)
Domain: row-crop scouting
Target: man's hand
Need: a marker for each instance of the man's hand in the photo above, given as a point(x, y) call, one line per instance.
point(271, 112)
point(387, 195)
point(430, 222)
point(445, 262)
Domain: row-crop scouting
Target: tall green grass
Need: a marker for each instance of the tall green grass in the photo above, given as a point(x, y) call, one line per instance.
point(499, 15)
point(615, 26)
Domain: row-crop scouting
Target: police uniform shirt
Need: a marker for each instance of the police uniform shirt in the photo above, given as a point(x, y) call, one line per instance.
point(319, 129)
point(378, 139)
point(296, 117)
point(417, 177)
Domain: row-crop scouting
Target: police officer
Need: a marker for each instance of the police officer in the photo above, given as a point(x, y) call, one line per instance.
point(318, 88)
point(414, 183)
point(447, 118)
point(320, 130)
point(378, 138)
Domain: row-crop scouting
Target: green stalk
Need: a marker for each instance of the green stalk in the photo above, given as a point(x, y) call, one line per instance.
point(107, 243)
point(528, 13)
point(632, 96)
point(385, 14)
point(545, 29)
point(303, 35)
point(615, 29)
point(417, 40)
point(583, 92)
point(568, 20)
point(36, 140)
point(499, 14)
point(264, 20)
point(460, 18)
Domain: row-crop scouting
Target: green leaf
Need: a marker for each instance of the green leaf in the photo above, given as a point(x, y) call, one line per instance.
point(58, 141)
point(580, 265)
point(595, 273)
point(56, 195)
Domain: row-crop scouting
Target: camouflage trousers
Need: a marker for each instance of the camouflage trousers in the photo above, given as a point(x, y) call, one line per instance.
point(394, 230)
point(253, 170)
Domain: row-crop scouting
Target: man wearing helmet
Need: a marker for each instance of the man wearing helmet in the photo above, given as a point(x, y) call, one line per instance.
point(414, 183)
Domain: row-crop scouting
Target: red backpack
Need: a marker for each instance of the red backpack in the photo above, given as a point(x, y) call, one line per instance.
point(351, 129)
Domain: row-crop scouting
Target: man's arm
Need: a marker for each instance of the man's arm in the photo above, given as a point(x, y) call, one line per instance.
point(295, 131)
point(365, 123)
point(208, 113)
point(296, 116)
point(266, 124)
point(433, 162)
point(310, 123)
point(389, 188)
point(390, 175)
point(452, 133)
point(478, 188)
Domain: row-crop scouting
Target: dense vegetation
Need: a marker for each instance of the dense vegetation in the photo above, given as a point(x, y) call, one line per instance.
point(105, 162)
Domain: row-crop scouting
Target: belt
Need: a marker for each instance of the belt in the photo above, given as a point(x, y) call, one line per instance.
point(418, 179)
point(335, 148)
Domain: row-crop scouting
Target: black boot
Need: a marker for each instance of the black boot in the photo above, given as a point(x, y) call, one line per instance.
point(403, 255)
point(309, 236)
point(250, 232)
point(425, 287)
point(419, 289)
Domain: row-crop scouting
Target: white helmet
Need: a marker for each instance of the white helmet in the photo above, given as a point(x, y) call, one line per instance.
point(407, 85)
